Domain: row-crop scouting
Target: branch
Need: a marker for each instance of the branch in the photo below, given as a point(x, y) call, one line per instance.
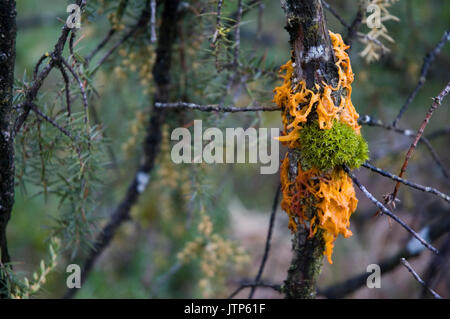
point(269, 237)
point(437, 101)
point(422, 188)
point(216, 108)
point(81, 85)
point(308, 32)
point(51, 121)
point(417, 277)
point(339, 290)
point(371, 121)
point(427, 61)
point(335, 14)
point(39, 78)
point(389, 213)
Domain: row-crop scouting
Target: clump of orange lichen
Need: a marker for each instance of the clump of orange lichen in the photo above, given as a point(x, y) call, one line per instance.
point(324, 199)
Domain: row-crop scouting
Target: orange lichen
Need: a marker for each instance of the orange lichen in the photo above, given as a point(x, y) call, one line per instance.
point(324, 199)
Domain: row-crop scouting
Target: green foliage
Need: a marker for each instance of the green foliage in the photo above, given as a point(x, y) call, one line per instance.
point(325, 149)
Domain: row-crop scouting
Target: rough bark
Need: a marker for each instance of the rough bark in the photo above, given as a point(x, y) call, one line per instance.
point(314, 63)
point(7, 59)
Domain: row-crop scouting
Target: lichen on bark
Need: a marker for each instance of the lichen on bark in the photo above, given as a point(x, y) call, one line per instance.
point(312, 70)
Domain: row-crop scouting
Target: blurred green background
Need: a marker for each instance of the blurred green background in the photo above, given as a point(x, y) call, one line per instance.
point(237, 197)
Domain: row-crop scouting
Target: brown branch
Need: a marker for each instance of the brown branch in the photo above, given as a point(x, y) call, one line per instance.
point(81, 85)
point(371, 121)
point(314, 61)
point(39, 78)
point(437, 101)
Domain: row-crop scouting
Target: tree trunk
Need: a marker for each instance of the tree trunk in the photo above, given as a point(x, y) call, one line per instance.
point(7, 61)
point(314, 60)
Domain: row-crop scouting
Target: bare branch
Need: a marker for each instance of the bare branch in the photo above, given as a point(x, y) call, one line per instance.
point(82, 89)
point(389, 213)
point(371, 121)
point(339, 290)
point(437, 101)
point(40, 78)
point(335, 14)
point(417, 277)
point(422, 188)
point(51, 121)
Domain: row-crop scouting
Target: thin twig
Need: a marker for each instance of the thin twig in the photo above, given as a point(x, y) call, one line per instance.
point(100, 46)
point(427, 61)
point(82, 89)
point(436, 102)
point(352, 31)
point(371, 121)
point(417, 277)
point(389, 213)
point(216, 108)
point(339, 290)
point(39, 78)
point(67, 88)
point(51, 121)
point(336, 15)
point(269, 237)
point(422, 188)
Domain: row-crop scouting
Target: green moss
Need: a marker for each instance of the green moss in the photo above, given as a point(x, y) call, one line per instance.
point(326, 149)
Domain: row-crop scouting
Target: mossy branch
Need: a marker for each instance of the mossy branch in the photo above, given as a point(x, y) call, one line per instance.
point(315, 64)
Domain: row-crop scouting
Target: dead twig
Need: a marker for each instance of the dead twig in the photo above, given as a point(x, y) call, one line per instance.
point(417, 277)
